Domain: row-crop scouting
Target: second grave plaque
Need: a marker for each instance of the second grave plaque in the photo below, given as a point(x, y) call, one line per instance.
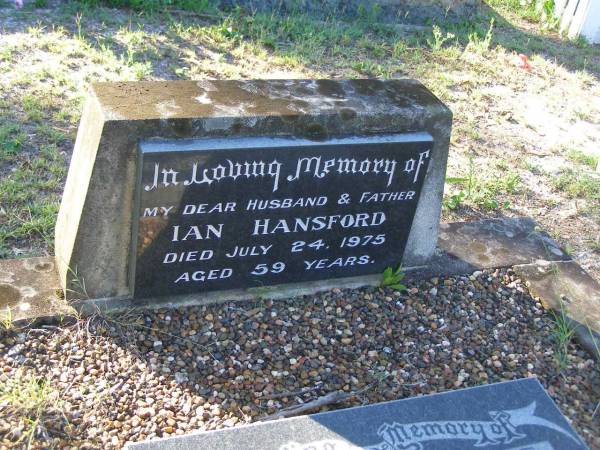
point(219, 214)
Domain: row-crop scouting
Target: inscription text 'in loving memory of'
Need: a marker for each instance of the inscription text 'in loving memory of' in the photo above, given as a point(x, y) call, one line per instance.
point(235, 213)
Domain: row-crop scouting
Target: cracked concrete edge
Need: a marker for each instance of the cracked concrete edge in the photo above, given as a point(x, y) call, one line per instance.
point(567, 289)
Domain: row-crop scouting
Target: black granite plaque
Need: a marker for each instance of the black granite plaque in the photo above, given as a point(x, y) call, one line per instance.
point(514, 415)
point(247, 212)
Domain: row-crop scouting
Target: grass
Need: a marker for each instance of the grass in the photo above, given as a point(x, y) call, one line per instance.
point(33, 401)
point(531, 11)
point(31, 193)
point(11, 140)
point(594, 244)
point(563, 332)
point(585, 159)
point(73, 44)
point(562, 335)
point(576, 184)
point(481, 187)
point(6, 319)
point(579, 180)
point(152, 6)
point(80, 291)
point(438, 39)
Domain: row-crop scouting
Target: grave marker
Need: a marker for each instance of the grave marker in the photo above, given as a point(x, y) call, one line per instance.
point(513, 415)
point(222, 214)
point(187, 188)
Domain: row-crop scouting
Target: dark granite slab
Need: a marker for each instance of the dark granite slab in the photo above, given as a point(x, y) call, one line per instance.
point(218, 214)
point(514, 415)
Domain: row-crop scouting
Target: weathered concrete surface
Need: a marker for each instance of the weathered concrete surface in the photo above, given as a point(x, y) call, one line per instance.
point(94, 227)
point(464, 247)
point(499, 242)
point(29, 289)
point(567, 289)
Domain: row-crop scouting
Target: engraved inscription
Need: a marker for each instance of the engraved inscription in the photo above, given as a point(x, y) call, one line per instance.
point(223, 218)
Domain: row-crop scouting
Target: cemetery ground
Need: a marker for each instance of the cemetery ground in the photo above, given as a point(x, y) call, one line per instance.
point(525, 143)
point(105, 380)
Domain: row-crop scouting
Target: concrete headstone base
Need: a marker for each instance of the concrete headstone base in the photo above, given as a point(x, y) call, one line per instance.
point(96, 221)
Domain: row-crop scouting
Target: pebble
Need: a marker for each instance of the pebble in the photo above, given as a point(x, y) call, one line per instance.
point(209, 367)
point(15, 350)
point(144, 413)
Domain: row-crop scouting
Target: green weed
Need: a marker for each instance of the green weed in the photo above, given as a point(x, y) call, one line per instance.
point(78, 283)
point(35, 106)
point(392, 278)
point(580, 114)
point(482, 191)
point(577, 184)
point(594, 243)
point(375, 70)
point(52, 135)
point(6, 318)
point(369, 14)
point(33, 400)
point(579, 157)
point(455, 200)
point(78, 18)
point(506, 184)
point(7, 53)
point(562, 335)
point(437, 40)
point(481, 44)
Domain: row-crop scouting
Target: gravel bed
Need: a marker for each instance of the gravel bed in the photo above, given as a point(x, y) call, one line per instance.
point(141, 375)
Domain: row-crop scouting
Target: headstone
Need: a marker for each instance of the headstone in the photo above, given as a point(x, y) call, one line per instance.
point(513, 415)
point(236, 213)
point(187, 188)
